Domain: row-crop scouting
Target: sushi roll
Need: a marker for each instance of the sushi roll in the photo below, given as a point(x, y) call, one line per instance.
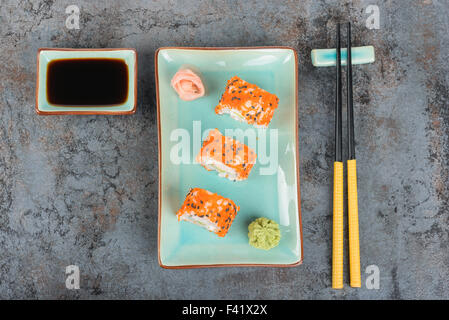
point(230, 158)
point(208, 210)
point(247, 102)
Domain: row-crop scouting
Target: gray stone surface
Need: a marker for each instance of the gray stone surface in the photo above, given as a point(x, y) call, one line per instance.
point(83, 189)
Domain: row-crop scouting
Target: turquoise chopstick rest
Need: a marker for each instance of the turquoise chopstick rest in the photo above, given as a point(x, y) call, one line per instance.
point(327, 57)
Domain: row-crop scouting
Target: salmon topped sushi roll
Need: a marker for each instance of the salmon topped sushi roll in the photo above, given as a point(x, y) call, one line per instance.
point(208, 210)
point(230, 158)
point(247, 102)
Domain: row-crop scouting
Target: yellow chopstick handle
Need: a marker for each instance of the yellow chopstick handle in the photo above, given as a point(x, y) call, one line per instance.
point(353, 225)
point(337, 231)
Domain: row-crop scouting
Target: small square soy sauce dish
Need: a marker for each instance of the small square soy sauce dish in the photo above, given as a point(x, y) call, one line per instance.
point(86, 81)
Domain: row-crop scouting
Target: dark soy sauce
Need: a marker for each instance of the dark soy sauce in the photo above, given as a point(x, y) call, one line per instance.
point(90, 81)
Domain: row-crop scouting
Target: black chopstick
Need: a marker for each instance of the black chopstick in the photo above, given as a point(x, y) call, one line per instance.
point(353, 211)
point(337, 228)
point(350, 107)
point(338, 109)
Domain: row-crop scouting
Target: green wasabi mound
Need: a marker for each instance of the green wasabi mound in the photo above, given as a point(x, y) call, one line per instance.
point(264, 234)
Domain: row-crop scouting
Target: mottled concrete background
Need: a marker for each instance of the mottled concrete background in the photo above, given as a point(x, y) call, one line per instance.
point(83, 189)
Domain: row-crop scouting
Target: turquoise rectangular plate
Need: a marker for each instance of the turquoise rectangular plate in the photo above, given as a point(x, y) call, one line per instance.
point(45, 55)
point(327, 57)
point(275, 196)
